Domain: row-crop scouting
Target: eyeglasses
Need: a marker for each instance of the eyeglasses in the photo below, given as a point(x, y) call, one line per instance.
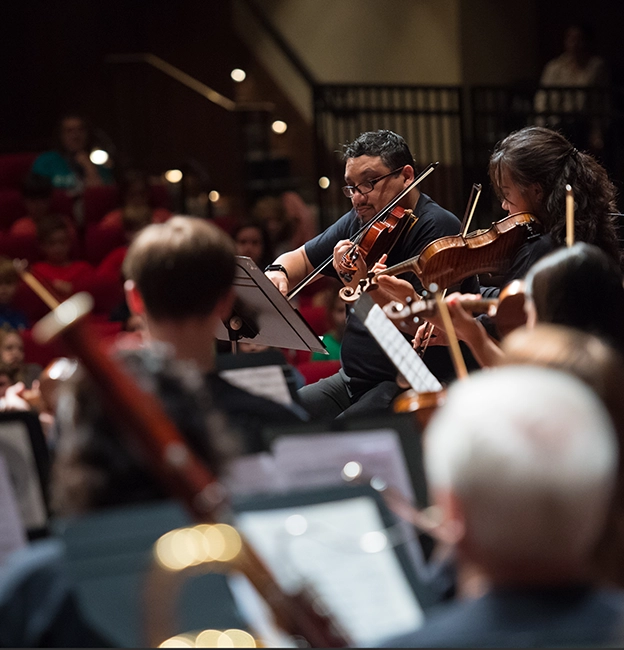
point(367, 186)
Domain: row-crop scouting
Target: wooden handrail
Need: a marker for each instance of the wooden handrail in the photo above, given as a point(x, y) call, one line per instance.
point(190, 82)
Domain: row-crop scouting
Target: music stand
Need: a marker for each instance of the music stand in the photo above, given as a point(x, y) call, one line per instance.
point(262, 315)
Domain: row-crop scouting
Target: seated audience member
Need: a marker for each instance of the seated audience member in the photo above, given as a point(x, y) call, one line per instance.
point(37, 197)
point(64, 275)
point(12, 355)
point(561, 289)
point(136, 207)
point(252, 240)
point(68, 166)
point(8, 286)
point(97, 467)
point(601, 367)
point(179, 276)
point(7, 378)
point(107, 285)
point(337, 317)
point(270, 211)
point(528, 531)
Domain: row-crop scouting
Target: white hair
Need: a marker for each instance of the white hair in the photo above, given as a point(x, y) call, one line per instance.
point(531, 455)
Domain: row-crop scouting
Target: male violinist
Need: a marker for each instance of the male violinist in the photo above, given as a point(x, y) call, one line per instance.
point(378, 167)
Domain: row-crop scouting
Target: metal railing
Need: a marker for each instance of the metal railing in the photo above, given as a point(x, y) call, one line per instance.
point(428, 117)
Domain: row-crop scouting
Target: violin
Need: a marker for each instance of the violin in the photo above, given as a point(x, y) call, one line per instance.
point(421, 405)
point(449, 260)
point(379, 238)
point(507, 310)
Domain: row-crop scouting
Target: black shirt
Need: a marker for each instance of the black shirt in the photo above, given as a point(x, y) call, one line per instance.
point(361, 357)
point(529, 252)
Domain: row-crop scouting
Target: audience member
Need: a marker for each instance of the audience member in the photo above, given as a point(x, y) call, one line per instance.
point(9, 280)
point(529, 531)
point(252, 240)
point(136, 207)
point(12, 355)
point(569, 77)
point(337, 318)
point(64, 275)
point(179, 276)
point(270, 211)
point(68, 166)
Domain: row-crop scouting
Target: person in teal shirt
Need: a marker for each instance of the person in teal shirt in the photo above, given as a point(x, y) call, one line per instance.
point(69, 167)
point(337, 316)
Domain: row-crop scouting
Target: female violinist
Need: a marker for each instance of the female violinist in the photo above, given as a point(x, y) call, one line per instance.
point(529, 171)
point(379, 166)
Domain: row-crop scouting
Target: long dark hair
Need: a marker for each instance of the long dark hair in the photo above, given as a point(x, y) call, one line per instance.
point(536, 155)
point(580, 287)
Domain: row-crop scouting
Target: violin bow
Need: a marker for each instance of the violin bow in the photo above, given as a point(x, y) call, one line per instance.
point(569, 216)
point(34, 284)
point(473, 199)
point(456, 355)
point(382, 213)
point(476, 187)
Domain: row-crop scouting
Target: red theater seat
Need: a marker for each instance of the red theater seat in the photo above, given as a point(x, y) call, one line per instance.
point(11, 207)
point(98, 201)
point(14, 168)
point(314, 370)
point(316, 317)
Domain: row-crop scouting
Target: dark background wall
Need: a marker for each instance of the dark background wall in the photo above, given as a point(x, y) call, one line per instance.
point(53, 55)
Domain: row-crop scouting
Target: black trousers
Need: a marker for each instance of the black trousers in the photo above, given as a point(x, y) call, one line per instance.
point(339, 397)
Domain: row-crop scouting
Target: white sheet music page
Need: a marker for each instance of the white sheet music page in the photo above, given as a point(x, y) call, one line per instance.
point(317, 460)
point(343, 552)
point(12, 533)
point(265, 381)
point(396, 347)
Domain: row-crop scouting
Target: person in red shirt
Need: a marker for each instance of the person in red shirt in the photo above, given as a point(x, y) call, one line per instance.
point(136, 204)
point(64, 275)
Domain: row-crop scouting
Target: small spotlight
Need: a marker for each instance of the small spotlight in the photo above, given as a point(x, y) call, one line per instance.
point(238, 75)
point(173, 175)
point(324, 182)
point(351, 470)
point(99, 157)
point(279, 126)
point(214, 196)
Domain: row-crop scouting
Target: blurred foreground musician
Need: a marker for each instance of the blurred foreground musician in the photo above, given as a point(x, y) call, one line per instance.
point(179, 276)
point(94, 472)
point(523, 495)
point(378, 167)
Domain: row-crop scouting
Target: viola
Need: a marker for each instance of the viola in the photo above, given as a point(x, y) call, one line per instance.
point(507, 310)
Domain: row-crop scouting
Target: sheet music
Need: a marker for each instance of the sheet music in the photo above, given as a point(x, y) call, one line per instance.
point(342, 551)
point(15, 447)
point(397, 349)
point(317, 460)
point(12, 532)
point(265, 381)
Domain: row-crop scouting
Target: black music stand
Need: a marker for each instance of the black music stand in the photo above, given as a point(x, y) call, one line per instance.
point(262, 315)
